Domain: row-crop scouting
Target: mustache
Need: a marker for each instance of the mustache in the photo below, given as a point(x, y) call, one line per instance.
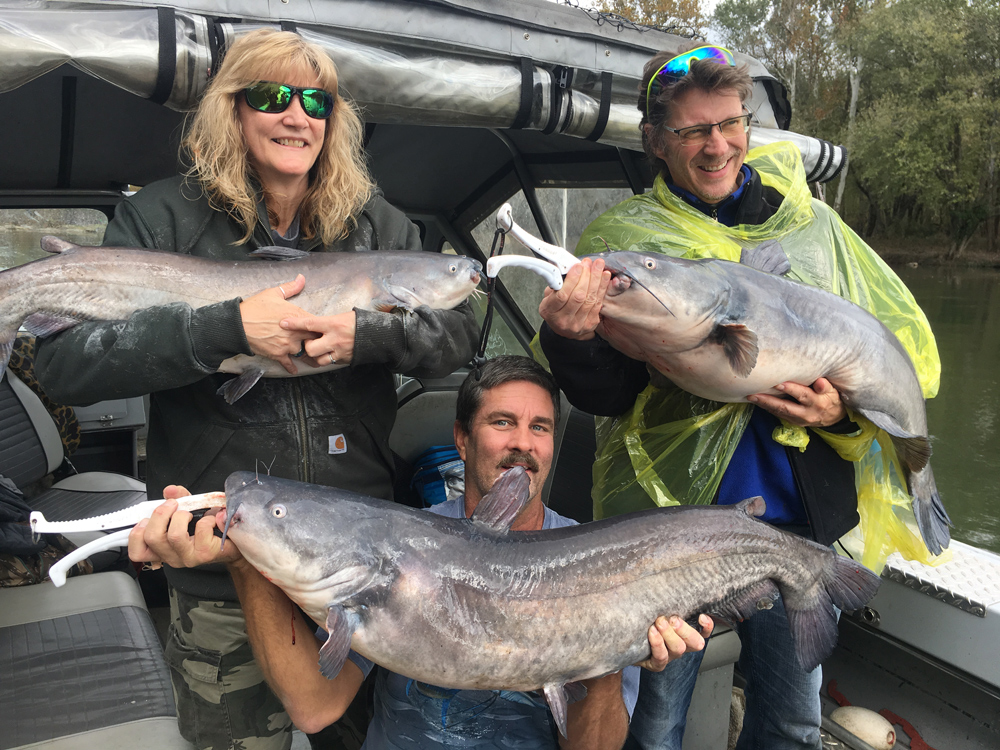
point(518, 458)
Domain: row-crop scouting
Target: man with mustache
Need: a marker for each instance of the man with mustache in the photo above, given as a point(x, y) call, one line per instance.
point(506, 416)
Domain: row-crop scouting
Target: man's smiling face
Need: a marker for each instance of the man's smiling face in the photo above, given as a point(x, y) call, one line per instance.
point(514, 426)
point(709, 170)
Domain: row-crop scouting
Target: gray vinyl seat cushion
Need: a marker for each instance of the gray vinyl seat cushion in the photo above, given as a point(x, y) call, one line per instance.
point(82, 668)
point(30, 448)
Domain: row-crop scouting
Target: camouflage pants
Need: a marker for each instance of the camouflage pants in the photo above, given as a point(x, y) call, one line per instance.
point(223, 702)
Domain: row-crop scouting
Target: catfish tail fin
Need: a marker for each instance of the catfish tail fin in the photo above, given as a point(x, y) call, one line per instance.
point(932, 518)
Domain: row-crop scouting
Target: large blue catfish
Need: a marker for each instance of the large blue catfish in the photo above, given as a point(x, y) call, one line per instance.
point(78, 283)
point(469, 604)
point(724, 331)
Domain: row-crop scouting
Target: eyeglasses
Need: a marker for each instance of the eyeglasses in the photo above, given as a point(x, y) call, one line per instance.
point(267, 96)
point(680, 66)
point(700, 133)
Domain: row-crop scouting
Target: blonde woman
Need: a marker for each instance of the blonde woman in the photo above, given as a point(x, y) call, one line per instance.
point(276, 160)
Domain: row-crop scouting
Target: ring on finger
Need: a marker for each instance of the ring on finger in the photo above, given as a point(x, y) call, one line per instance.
point(301, 351)
point(282, 290)
point(332, 360)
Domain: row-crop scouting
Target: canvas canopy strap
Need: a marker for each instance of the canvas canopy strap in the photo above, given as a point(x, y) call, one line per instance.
point(672, 447)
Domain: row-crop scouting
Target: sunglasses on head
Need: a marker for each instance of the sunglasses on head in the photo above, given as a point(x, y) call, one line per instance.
point(680, 66)
point(267, 96)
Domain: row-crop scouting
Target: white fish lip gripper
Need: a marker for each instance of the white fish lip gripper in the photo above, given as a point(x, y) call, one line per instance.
point(561, 260)
point(125, 517)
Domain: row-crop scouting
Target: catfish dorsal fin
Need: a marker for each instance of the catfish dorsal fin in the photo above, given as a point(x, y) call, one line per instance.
point(55, 245)
point(276, 252)
point(768, 257)
point(505, 500)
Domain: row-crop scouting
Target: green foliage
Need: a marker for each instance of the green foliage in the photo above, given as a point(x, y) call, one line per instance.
point(687, 15)
point(927, 134)
point(925, 145)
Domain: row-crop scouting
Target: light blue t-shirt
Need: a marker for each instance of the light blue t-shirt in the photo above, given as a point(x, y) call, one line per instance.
point(411, 715)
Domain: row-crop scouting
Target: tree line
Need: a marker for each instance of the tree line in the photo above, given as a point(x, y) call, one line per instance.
point(911, 87)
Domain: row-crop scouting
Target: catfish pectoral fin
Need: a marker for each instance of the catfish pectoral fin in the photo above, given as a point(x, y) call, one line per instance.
point(740, 345)
point(559, 697)
point(334, 652)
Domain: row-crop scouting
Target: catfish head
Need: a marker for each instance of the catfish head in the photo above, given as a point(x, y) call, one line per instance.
point(432, 279)
point(658, 303)
point(313, 542)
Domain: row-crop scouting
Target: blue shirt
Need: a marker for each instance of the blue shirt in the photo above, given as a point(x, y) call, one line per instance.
point(759, 465)
point(413, 715)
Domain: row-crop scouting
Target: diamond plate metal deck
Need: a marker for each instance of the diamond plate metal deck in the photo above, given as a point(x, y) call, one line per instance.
point(970, 581)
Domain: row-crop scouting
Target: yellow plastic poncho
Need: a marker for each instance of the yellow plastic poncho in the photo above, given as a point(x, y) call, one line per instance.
point(672, 447)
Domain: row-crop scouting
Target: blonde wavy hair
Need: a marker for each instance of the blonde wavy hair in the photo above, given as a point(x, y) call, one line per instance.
point(339, 182)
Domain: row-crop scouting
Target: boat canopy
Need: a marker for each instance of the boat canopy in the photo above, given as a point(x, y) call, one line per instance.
point(511, 65)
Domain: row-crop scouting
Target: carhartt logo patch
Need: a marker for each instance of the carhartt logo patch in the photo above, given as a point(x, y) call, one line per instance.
point(338, 444)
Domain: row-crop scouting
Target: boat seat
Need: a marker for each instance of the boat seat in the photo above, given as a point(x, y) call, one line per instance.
point(82, 668)
point(30, 448)
point(90, 494)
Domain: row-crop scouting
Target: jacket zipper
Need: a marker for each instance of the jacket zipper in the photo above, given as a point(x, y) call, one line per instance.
point(305, 466)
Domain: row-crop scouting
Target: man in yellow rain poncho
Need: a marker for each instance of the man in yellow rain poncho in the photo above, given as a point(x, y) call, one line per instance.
point(662, 446)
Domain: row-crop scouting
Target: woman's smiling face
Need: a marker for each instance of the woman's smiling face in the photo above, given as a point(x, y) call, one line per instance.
point(283, 146)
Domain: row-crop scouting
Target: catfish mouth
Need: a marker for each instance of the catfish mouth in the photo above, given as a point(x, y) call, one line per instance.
point(622, 280)
point(232, 520)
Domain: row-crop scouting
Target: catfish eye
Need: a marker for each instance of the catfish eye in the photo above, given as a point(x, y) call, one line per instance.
point(278, 511)
point(649, 263)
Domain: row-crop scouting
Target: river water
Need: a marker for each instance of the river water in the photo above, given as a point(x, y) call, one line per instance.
point(963, 306)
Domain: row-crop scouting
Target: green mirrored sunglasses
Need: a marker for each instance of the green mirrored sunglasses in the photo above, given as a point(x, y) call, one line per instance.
point(267, 96)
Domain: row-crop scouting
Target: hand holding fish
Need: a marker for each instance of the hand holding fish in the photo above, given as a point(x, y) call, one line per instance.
point(670, 638)
point(335, 344)
point(818, 405)
point(262, 314)
point(163, 538)
point(574, 311)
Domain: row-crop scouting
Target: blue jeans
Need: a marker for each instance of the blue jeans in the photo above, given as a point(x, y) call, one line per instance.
point(783, 705)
